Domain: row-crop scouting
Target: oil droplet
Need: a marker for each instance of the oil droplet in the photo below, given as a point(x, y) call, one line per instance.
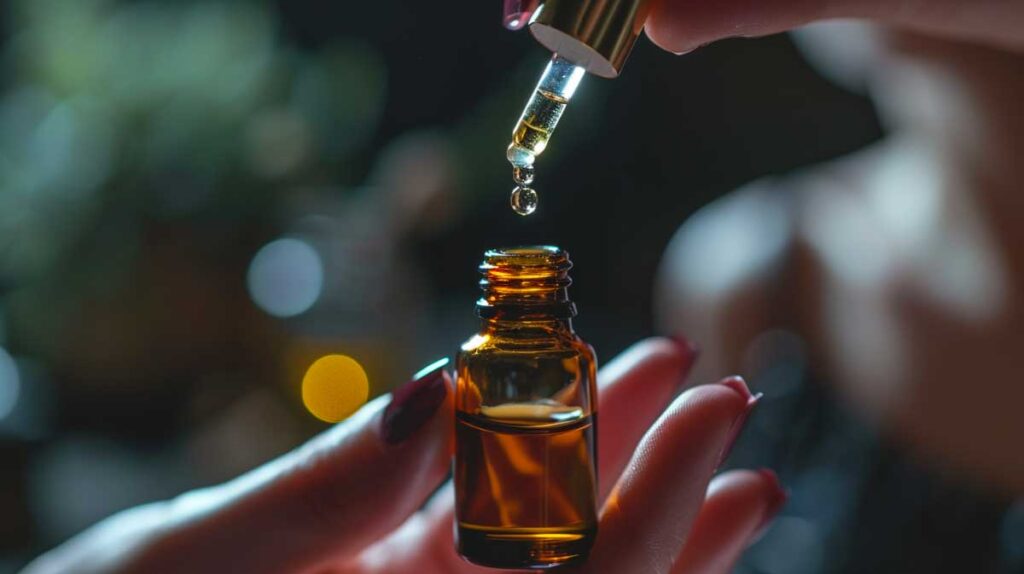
point(524, 200)
point(522, 175)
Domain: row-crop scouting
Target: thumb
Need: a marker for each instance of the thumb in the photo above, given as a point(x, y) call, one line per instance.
point(324, 501)
point(681, 26)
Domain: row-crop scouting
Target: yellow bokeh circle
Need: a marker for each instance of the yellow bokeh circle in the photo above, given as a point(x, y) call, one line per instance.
point(335, 386)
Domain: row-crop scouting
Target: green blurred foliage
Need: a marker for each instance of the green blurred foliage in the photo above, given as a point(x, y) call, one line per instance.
point(117, 115)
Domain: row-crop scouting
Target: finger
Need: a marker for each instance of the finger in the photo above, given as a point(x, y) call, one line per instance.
point(682, 25)
point(738, 506)
point(650, 511)
point(633, 390)
point(325, 500)
point(516, 13)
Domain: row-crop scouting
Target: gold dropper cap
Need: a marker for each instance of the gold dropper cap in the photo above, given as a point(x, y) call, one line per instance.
point(596, 35)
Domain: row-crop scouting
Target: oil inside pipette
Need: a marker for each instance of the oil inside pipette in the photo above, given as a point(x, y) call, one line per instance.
point(535, 126)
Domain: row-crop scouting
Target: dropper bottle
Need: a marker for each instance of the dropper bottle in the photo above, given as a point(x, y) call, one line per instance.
point(591, 36)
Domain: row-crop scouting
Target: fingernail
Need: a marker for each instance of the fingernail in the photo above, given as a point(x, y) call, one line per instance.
point(690, 351)
point(689, 49)
point(517, 13)
point(777, 500)
point(740, 386)
point(413, 403)
point(689, 348)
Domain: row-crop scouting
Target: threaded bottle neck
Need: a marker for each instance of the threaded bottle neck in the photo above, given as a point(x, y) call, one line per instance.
point(525, 284)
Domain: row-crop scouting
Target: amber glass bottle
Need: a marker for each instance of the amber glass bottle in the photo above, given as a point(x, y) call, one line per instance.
point(526, 412)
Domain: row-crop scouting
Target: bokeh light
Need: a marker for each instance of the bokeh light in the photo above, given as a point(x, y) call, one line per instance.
point(10, 384)
point(286, 277)
point(335, 386)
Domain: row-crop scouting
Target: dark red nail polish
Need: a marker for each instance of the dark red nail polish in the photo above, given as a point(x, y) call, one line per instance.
point(690, 350)
point(777, 500)
point(517, 13)
point(414, 403)
point(740, 386)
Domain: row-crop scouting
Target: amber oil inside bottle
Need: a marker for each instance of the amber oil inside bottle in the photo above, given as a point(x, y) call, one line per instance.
point(525, 462)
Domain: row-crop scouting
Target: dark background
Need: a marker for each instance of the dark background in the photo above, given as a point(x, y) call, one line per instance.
point(149, 151)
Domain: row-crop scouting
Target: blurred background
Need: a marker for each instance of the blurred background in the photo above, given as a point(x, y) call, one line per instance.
point(199, 199)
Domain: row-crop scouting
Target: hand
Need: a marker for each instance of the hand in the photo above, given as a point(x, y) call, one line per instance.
point(681, 26)
point(351, 500)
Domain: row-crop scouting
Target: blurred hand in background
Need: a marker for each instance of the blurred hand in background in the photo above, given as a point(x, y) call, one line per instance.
point(901, 266)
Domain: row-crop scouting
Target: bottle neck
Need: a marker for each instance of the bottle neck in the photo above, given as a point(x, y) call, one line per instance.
point(531, 328)
point(526, 286)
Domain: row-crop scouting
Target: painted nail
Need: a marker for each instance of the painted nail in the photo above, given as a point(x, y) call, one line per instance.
point(690, 350)
point(777, 499)
point(414, 403)
point(740, 386)
point(517, 13)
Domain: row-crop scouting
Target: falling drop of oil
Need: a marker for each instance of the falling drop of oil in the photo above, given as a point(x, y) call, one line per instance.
point(522, 175)
point(524, 197)
point(524, 200)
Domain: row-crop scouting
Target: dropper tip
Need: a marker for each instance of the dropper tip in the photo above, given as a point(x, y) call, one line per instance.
point(519, 156)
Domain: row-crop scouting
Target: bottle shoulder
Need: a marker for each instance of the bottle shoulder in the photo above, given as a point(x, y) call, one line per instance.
point(563, 345)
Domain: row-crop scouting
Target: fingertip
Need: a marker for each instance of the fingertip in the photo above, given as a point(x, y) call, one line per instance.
point(775, 497)
point(665, 33)
point(738, 505)
point(656, 362)
point(723, 402)
point(738, 385)
point(746, 491)
point(761, 486)
point(665, 482)
point(682, 26)
point(517, 13)
point(674, 353)
point(693, 427)
point(690, 349)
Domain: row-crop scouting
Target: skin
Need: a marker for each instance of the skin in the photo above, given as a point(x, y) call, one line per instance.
point(680, 26)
